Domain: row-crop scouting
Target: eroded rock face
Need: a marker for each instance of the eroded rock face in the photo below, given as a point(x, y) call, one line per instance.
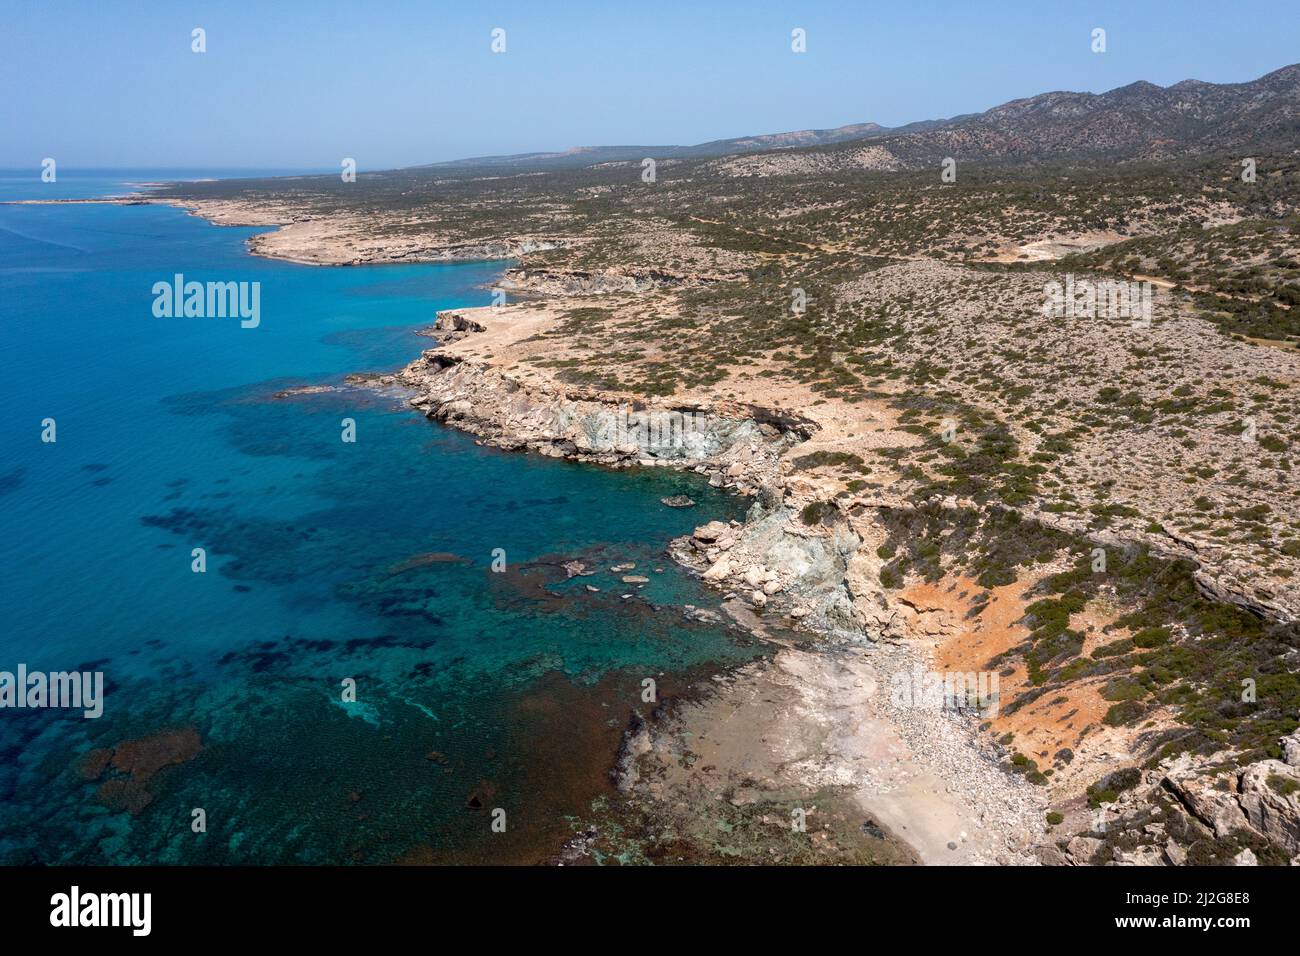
point(572, 282)
point(871, 603)
point(1201, 807)
point(454, 320)
point(1263, 797)
point(1212, 800)
point(1270, 799)
point(487, 402)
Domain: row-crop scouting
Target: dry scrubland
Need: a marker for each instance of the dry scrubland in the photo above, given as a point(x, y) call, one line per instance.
point(937, 463)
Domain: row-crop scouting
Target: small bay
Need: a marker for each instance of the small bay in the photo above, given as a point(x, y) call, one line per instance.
point(327, 562)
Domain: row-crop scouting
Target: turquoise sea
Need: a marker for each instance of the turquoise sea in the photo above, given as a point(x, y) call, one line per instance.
point(326, 561)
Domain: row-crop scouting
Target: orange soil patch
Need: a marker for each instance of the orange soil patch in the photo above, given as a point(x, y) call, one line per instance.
point(1069, 718)
point(968, 644)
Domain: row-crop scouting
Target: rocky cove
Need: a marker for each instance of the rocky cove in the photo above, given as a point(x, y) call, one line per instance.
point(928, 779)
point(821, 727)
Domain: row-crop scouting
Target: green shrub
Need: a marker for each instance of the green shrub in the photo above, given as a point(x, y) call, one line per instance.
point(1123, 713)
point(1283, 785)
point(813, 512)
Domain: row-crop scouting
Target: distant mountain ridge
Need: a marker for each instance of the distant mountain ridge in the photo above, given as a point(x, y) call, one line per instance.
point(1137, 121)
point(593, 155)
point(1140, 120)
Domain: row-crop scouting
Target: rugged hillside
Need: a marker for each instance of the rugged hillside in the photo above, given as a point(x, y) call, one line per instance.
point(1143, 120)
point(1138, 121)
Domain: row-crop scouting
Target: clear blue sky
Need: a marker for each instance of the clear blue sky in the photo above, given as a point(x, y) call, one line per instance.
point(290, 83)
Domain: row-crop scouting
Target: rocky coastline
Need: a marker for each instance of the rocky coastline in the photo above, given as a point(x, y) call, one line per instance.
point(936, 781)
point(808, 563)
point(932, 780)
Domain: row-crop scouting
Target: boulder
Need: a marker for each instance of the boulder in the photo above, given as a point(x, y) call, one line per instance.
point(710, 532)
point(678, 501)
point(1049, 855)
point(1291, 749)
point(1140, 856)
point(720, 570)
point(1082, 849)
point(576, 568)
point(452, 321)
